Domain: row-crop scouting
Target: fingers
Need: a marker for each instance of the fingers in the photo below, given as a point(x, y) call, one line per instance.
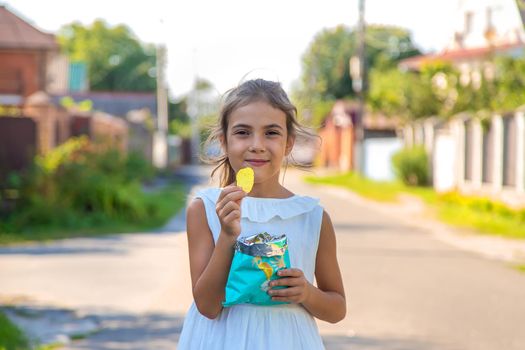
point(296, 283)
point(287, 282)
point(290, 295)
point(229, 195)
point(287, 292)
point(290, 272)
point(233, 215)
point(228, 208)
point(227, 190)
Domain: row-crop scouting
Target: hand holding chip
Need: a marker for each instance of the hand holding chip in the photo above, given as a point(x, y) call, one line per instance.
point(228, 205)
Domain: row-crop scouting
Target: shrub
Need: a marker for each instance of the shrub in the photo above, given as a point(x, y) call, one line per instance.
point(81, 184)
point(411, 166)
point(11, 337)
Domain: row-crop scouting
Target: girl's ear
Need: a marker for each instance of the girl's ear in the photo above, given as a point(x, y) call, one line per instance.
point(290, 141)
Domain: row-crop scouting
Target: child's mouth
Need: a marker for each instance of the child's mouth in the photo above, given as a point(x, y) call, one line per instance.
point(256, 162)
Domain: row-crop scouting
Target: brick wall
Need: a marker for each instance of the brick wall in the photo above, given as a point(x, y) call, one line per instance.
point(21, 72)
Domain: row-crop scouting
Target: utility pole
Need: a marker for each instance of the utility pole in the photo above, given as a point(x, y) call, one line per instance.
point(359, 85)
point(160, 142)
point(194, 113)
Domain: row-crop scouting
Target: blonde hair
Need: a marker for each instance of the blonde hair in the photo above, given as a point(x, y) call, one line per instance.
point(248, 92)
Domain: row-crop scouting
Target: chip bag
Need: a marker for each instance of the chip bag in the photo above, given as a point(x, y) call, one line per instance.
point(255, 263)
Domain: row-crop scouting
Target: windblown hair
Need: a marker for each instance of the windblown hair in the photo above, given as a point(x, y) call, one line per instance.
point(248, 92)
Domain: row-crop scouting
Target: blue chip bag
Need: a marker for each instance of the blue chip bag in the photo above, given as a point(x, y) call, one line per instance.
point(255, 263)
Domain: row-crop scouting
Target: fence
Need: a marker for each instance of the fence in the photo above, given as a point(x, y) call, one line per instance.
point(17, 144)
point(487, 155)
point(39, 126)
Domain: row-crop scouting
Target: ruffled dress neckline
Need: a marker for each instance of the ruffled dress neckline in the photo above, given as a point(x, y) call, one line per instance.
point(261, 209)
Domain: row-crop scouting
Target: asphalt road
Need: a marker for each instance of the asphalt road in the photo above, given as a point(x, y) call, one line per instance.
point(405, 288)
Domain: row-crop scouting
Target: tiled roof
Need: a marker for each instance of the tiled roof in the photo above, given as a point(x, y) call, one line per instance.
point(379, 121)
point(16, 33)
point(460, 55)
point(371, 120)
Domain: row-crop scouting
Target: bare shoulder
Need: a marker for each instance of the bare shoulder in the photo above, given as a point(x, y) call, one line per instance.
point(326, 217)
point(327, 239)
point(196, 209)
point(326, 225)
point(196, 221)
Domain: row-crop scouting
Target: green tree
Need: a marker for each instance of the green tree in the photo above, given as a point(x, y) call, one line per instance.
point(116, 59)
point(179, 121)
point(203, 101)
point(433, 91)
point(325, 73)
point(325, 63)
point(388, 91)
point(510, 83)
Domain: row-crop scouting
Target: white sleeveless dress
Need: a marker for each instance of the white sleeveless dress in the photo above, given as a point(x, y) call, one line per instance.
point(253, 327)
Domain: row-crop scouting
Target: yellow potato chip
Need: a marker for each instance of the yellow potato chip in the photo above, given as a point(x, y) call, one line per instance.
point(245, 178)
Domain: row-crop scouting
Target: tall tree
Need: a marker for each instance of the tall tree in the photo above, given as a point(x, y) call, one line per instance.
point(325, 73)
point(116, 59)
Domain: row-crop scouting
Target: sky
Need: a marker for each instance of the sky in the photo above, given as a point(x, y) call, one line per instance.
point(230, 40)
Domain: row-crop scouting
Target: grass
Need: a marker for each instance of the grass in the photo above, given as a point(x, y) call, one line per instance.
point(482, 222)
point(380, 191)
point(11, 338)
point(478, 214)
point(520, 268)
point(169, 200)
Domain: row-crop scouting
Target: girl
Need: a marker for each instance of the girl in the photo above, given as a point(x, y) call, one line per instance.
point(257, 128)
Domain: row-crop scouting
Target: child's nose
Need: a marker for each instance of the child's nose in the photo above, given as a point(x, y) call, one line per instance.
point(257, 144)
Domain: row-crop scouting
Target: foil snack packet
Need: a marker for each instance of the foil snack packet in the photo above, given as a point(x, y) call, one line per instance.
point(255, 263)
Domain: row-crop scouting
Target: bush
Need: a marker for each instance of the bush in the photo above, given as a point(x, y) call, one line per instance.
point(411, 166)
point(81, 184)
point(11, 338)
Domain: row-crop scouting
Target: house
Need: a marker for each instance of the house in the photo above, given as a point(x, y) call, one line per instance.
point(137, 109)
point(477, 156)
point(483, 29)
point(26, 55)
point(31, 69)
point(380, 141)
point(482, 157)
point(117, 103)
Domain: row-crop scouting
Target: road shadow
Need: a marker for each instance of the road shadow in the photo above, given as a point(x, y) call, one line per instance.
point(107, 244)
point(53, 250)
point(116, 330)
point(382, 343)
point(132, 332)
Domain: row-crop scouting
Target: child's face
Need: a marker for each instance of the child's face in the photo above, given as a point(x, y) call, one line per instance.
point(257, 137)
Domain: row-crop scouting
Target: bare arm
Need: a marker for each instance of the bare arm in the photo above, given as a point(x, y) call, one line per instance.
point(210, 263)
point(326, 301)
